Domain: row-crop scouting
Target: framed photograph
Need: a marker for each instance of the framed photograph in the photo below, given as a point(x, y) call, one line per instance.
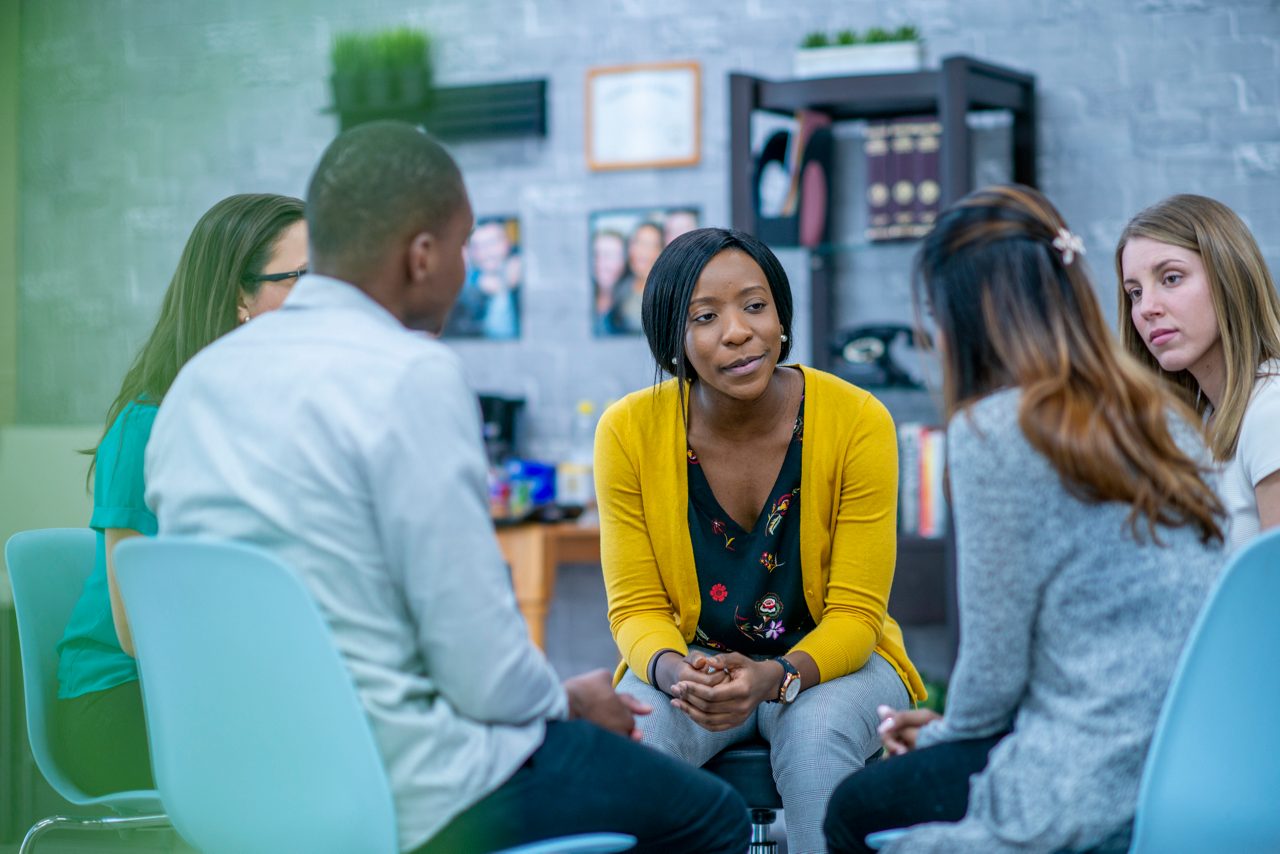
point(644, 116)
point(489, 305)
point(624, 245)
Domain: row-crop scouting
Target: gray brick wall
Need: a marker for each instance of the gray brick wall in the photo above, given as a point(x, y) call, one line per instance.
point(139, 114)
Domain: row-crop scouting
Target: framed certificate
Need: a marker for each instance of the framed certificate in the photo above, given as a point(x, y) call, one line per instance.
point(644, 116)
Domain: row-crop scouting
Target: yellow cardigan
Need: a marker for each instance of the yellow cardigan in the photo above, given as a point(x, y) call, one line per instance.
point(848, 528)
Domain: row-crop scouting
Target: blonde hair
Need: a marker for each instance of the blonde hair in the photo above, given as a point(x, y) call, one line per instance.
point(1013, 311)
point(1244, 300)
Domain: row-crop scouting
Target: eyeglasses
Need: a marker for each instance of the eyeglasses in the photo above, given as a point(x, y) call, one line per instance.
point(278, 277)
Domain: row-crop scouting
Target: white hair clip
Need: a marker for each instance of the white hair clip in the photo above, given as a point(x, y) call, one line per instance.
point(1070, 245)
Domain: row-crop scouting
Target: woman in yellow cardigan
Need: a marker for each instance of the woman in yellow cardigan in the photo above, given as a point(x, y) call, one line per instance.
point(748, 533)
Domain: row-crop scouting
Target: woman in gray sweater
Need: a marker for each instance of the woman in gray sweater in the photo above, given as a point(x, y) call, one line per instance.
point(1087, 542)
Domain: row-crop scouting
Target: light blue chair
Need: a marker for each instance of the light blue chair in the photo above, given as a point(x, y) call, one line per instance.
point(47, 570)
point(259, 741)
point(1212, 776)
point(881, 838)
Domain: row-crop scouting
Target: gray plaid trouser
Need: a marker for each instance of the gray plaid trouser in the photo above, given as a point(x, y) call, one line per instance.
point(816, 742)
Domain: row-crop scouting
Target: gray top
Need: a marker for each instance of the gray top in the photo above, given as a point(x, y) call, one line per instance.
point(1071, 630)
point(350, 448)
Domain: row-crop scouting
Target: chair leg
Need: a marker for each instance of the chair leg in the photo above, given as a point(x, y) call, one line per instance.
point(109, 822)
point(761, 819)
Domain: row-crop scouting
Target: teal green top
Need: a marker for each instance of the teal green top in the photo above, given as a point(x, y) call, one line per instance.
point(89, 654)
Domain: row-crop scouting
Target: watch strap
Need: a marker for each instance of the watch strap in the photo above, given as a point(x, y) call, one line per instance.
point(789, 674)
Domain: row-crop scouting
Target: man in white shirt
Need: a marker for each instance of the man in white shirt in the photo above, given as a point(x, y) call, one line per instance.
point(337, 435)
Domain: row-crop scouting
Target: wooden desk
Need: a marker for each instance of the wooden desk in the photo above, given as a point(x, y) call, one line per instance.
point(534, 552)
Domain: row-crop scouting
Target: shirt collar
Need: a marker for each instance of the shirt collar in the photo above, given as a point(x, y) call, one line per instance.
point(316, 291)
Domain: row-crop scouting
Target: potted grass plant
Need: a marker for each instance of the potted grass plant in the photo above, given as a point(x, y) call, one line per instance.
point(384, 71)
point(350, 58)
point(407, 54)
point(876, 51)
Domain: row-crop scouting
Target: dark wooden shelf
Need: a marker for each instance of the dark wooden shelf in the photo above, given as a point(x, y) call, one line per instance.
point(916, 543)
point(962, 85)
point(489, 110)
point(483, 111)
point(923, 589)
point(876, 96)
point(924, 581)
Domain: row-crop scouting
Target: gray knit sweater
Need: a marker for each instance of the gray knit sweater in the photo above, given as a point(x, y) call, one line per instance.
point(1070, 631)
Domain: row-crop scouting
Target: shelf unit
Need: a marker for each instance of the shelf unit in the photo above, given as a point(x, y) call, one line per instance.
point(963, 84)
point(483, 111)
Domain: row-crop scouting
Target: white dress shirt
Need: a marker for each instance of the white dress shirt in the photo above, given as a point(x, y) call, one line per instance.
point(349, 446)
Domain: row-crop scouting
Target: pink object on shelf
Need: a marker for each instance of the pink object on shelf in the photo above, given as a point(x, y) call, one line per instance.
point(813, 204)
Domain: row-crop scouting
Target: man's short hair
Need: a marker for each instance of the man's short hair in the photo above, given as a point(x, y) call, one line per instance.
point(379, 182)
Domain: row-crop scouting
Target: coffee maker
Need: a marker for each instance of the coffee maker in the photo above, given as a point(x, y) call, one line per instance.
point(501, 417)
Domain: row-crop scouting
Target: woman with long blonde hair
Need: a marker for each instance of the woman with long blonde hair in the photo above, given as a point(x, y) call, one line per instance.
point(1199, 307)
point(1087, 541)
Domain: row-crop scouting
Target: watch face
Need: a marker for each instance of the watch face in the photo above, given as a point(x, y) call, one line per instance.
point(792, 690)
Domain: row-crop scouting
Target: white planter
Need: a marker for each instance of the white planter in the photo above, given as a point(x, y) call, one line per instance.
point(839, 60)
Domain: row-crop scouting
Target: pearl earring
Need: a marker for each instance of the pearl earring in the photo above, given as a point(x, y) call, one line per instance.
point(784, 338)
point(674, 362)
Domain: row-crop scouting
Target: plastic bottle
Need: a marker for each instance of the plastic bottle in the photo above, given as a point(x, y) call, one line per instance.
point(574, 483)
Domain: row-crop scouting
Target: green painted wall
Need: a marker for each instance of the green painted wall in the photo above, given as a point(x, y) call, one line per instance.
point(42, 480)
point(10, 61)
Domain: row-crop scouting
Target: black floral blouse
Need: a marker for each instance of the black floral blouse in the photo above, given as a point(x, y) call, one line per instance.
point(751, 587)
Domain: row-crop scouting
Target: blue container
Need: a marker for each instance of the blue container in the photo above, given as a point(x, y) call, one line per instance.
point(541, 477)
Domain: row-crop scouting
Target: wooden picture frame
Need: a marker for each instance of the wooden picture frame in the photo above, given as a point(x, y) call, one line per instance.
point(624, 244)
point(644, 116)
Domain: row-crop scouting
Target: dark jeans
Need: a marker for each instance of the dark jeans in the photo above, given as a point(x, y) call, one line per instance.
point(102, 740)
point(585, 780)
point(922, 786)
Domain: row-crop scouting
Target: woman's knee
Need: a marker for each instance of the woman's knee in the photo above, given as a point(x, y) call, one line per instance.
point(822, 738)
point(669, 730)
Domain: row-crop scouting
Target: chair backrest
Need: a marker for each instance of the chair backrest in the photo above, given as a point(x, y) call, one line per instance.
point(47, 570)
point(1212, 777)
point(259, 741)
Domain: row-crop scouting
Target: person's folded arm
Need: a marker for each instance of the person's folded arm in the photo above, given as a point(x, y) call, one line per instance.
point(863, 547)
point(430, 490)
point(999, 581)
point(641, 615)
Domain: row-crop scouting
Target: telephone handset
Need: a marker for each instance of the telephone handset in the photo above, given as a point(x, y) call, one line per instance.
point(867, 353)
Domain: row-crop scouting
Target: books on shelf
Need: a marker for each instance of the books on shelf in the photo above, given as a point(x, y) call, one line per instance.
point(904, 189)
point(922, 501)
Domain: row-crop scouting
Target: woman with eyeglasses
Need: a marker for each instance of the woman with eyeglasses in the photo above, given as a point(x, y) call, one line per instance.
point(241, 260)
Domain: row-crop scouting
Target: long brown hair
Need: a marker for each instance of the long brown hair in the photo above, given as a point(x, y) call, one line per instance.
point(230, 245)
point(1243, 295)
point(1012, 311)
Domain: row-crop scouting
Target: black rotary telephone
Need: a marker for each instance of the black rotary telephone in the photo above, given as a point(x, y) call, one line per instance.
point(865, 355)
